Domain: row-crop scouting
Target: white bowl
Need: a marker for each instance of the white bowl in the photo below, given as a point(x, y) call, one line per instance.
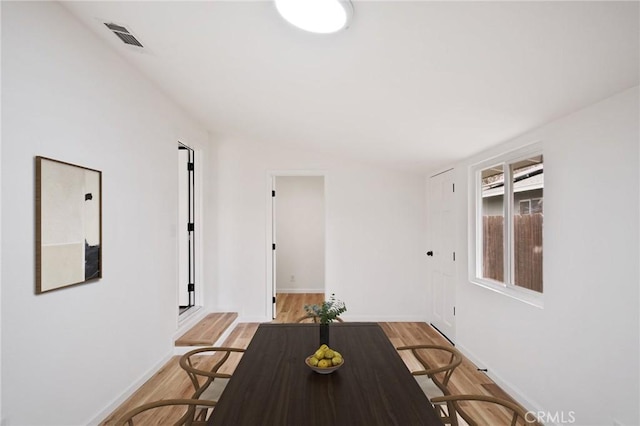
point(327, 370)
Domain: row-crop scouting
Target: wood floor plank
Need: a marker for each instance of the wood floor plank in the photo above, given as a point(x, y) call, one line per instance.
point(168, 382)
point(208, 330)
point(290, 306)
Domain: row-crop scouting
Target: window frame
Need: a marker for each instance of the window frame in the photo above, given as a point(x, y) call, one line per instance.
point(508, 288)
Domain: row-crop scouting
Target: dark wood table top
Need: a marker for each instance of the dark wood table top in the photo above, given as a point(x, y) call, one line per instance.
point(272, 385)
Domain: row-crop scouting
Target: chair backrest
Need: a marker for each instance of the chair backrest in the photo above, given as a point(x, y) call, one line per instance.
point(197, 366)
point(513, 412)
point(140, 414)
point(313, 318)
point(442, 362)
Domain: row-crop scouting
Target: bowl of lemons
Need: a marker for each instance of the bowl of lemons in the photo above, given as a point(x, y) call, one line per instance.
point(325, 360)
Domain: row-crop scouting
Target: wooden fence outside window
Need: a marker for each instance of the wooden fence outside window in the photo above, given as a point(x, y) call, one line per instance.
point(527, 249)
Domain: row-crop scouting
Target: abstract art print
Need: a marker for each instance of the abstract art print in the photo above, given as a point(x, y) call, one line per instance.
point(68, 224)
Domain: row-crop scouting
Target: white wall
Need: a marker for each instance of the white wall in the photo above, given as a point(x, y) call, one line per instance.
point(300, 234)
point(1, 412)
point(374, 232)
point(580, 352)
point(69, 353)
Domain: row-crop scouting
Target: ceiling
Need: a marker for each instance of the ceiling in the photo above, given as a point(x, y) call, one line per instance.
point(413, 86)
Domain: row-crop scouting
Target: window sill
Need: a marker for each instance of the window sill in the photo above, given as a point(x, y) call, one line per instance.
point(523, 295)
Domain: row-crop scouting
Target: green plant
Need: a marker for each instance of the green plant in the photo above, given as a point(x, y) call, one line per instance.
point(328, 310)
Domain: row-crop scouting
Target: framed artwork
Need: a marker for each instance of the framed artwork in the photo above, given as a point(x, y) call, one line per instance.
point(68, 224)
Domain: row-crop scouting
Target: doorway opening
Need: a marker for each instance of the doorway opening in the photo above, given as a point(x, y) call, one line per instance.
point(186, 229)
point(298, 235)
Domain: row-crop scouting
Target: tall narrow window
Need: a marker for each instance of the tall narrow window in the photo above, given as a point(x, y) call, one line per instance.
point(509, 217)
point(528, 185)
point(492, 207)
point(186, 229)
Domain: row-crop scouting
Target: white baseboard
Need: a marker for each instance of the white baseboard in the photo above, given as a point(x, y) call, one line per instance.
point(184, 325)
point(255, 319)
point(111, 407)
point(513, 391)
point(383, 318)
point(299, 290)
point(185, 322)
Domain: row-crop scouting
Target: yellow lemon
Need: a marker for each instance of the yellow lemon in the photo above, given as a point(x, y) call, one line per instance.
point(324, 363)
point(336, 353)
point(319, 353)
point(336, 360)
point(329, 354)
point(313, 361)
point(323, 347)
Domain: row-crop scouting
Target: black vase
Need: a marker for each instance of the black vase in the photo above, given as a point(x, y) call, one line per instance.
point(324, 334)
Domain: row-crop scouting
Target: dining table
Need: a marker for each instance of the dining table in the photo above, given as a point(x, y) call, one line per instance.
point(272, 384)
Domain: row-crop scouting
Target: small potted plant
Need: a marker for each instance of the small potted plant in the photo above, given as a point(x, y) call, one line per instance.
point(326, 313)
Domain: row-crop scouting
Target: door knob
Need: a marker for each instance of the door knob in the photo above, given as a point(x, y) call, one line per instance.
point(429, 253)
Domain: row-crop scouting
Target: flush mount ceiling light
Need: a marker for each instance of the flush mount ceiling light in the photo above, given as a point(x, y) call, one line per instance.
point(316, 16)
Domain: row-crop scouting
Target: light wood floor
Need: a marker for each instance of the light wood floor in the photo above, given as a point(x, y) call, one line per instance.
point(290, 306)
point(207, 331)
point(172, 382)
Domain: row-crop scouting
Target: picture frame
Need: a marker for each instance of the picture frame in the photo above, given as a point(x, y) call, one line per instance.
point(68, 242)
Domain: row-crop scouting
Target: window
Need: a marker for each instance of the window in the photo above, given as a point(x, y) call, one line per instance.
point(531, 206)
point(507, 248)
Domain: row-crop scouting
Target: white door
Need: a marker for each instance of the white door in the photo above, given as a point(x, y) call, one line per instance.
point(274, 262)
point(441, 254)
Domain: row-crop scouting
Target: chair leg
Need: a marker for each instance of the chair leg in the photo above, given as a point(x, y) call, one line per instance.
point(451, 415)
point(202, 414)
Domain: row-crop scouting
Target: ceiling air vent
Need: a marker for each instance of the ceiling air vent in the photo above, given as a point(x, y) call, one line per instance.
point(124, 35)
